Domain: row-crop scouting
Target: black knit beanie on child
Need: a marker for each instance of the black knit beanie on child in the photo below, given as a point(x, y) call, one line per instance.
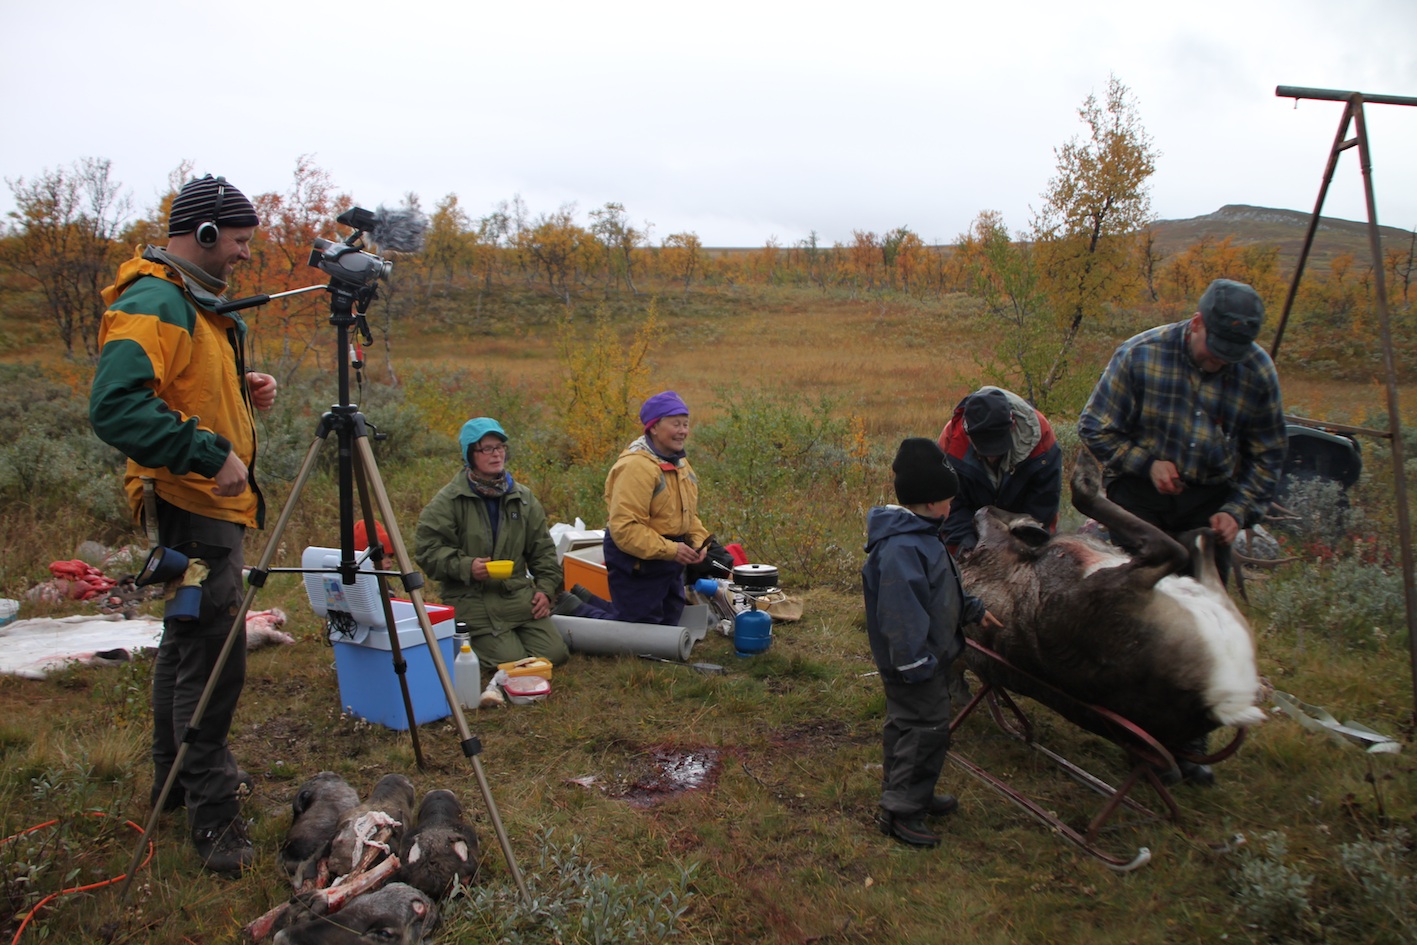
point(922, 473)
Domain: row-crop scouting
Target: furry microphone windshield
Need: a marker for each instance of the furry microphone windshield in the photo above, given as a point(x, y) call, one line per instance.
point(400, 230)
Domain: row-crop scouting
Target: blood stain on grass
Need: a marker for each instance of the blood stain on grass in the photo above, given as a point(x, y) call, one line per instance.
point(660, 773)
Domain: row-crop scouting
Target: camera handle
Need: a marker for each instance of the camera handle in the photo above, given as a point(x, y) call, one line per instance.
point(251, 301)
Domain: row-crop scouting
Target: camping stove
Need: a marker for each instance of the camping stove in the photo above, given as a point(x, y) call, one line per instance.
point(752, 629)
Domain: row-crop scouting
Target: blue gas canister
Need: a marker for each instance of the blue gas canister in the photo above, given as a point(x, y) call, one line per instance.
point(752, 632)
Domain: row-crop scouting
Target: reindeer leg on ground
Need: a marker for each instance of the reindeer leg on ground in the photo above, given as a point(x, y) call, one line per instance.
point(373, 847)
point(324, 901)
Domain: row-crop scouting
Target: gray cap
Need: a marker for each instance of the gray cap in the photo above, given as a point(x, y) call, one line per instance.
point(989, 422)
point(1233, 314)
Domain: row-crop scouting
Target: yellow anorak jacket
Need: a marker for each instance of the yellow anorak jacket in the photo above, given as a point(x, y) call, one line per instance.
point(170, 392)
point(653, 504)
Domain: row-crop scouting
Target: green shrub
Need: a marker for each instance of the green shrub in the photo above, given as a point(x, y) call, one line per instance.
point(1322, 517)
point(1384, 882)
point(778, 473)
point(1348, 601)
point(573, 901)
point(1271, 895)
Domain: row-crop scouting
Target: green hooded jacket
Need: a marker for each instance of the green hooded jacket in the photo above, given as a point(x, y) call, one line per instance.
point(454, 528)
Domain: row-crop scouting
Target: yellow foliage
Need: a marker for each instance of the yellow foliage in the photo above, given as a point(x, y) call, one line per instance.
point(443, 410)
point(860, 448)
point(606, 379)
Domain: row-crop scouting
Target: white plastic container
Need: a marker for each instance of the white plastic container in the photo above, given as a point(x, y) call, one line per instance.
point(467, 677)
point(524, 690)
point(9, 608)
point(327, 591)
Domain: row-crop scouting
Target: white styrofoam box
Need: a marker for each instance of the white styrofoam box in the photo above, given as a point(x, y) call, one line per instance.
point(327, 590)
point(574, 538)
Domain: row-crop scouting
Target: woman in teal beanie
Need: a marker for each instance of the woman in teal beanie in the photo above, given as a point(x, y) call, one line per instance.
point(485, 515)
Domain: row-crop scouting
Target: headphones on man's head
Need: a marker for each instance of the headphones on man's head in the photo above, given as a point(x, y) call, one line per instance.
point(208, 232)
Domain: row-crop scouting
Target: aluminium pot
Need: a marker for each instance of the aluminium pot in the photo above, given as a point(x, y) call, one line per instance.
point(755, 577)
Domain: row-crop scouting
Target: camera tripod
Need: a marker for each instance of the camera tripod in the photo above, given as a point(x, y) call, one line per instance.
point(356, 466)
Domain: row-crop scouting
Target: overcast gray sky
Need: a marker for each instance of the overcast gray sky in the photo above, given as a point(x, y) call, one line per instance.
point(739, 121)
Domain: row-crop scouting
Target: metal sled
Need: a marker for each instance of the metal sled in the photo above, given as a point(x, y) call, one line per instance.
point(1145, 754)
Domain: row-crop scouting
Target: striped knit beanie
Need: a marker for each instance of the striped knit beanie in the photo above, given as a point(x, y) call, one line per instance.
point(197, 202)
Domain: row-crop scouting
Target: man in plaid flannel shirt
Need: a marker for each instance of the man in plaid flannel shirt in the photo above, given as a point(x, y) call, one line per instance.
point(1188, 423)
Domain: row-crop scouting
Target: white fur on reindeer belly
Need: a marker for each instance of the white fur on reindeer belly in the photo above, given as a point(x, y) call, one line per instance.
point(1233, 683)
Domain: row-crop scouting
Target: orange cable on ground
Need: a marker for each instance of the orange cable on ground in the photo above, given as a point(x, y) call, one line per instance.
point(73, 889)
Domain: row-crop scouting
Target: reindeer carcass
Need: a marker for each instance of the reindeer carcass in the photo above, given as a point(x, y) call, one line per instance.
point(1151, 636)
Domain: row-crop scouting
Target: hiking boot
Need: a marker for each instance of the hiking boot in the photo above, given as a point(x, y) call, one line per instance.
point(1188, 772)
point(568, 605)
point(1199, 775)
point(584, 593)
point(226, 849)
point(942, 804)
point(911, 830)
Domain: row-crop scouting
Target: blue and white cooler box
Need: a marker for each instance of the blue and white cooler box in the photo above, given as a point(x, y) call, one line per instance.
point(368, 685)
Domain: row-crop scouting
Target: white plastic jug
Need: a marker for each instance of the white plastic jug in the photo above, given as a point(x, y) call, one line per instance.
point(467, 677)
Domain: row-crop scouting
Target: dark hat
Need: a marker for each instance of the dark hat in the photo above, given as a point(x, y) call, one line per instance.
point(989, 422)
point(922, 473)
point(209, 199)
point(661, 405)
point(1233, 314)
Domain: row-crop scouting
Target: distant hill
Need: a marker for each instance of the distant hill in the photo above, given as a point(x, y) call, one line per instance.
point(1247, 225)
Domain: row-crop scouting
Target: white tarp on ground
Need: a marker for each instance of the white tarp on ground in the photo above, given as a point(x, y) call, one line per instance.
point(36, 647)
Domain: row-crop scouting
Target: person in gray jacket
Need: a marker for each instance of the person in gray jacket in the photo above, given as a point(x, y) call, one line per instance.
point(485, 515)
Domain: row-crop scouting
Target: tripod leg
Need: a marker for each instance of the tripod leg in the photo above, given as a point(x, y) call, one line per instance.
point(395, 649)
point(413, 584)
point(238, 631)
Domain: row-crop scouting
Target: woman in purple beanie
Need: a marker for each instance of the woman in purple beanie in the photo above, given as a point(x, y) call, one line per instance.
point(654, 530)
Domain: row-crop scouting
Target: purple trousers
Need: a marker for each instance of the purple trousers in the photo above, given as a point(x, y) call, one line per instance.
point(641, 591)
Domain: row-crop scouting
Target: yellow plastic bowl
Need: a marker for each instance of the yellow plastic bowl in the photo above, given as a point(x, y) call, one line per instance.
point(499, 570)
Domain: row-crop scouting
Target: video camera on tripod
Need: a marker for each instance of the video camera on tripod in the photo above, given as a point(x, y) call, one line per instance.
point(353, 271)
point(347, 263)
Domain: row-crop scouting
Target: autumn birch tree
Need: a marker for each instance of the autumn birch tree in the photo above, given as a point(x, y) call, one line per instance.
point(280, 261)
point(682, 256)
point(65, 240)
point(618, 241)
point(450, 247)
point(1003, 273)
point(1095, 206)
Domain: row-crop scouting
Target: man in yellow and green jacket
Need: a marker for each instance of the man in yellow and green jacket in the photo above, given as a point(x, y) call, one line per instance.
point(172, 392)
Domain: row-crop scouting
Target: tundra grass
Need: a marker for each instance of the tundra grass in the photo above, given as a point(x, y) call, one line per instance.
point(782, 842)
